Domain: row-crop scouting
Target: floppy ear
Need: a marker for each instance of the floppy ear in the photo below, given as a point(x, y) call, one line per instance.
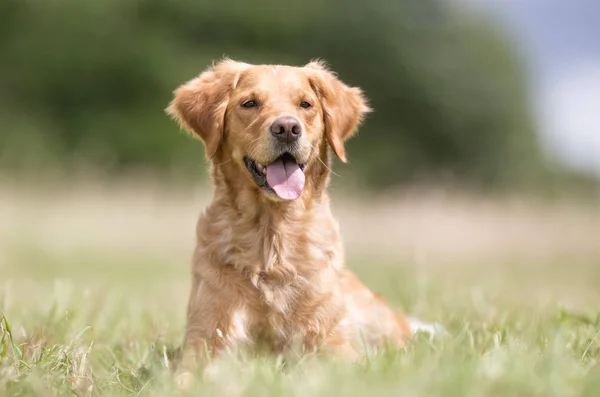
point(199, 105)
point(344, 107)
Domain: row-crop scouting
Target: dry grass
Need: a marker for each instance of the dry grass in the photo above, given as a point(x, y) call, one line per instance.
point(425, 226)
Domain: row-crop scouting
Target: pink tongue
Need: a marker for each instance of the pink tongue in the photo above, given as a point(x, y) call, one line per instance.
point(286, 178)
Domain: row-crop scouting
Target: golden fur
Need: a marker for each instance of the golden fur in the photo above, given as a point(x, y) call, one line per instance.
point(268, 270)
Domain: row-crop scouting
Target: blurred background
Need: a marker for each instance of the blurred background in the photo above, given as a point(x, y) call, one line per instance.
point(484, 147)
point(491, 94)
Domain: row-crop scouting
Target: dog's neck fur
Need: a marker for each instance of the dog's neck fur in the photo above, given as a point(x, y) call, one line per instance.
point(259, 236)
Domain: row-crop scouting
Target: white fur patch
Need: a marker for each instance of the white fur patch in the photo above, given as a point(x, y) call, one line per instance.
point(433, 329)
point(239, 320)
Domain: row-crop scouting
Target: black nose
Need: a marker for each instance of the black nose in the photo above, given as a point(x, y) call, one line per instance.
point(286, 129)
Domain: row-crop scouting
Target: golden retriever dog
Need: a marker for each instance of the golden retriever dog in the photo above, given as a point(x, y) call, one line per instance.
point(268, 268)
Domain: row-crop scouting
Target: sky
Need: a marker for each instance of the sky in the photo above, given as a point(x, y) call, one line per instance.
point(561, 42)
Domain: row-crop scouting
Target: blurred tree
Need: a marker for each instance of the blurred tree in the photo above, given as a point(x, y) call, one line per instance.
point(91, 79)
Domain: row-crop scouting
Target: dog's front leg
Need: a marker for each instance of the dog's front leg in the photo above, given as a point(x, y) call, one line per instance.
point(197, 351)
point(210, 328)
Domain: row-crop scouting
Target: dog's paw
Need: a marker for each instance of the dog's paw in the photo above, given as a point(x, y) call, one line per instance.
point(185, 380)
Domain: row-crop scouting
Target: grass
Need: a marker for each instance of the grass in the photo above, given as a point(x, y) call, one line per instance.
point(86, 313)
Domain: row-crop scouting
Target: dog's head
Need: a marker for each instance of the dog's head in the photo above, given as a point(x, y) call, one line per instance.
point(269, 121)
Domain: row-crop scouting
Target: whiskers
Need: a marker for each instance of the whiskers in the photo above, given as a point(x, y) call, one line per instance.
point(223, 162)
point(322, 162)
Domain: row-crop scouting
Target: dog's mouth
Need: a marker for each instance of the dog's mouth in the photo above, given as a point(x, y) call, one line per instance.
point(284, 176)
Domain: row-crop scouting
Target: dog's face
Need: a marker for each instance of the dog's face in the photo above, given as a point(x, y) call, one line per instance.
point(269, 120)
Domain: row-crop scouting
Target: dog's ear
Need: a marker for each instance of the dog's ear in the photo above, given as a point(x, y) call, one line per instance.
point(199, 105)
point(344, 107)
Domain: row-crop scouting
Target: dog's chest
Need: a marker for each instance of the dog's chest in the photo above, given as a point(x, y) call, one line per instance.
point(278, 292)
point(284, 279)
point(298, 309)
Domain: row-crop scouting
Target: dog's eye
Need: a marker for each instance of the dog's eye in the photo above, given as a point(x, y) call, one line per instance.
point(249, 104)
point(305, 105)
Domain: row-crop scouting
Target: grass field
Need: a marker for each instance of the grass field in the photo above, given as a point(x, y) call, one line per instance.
point(94, 281)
